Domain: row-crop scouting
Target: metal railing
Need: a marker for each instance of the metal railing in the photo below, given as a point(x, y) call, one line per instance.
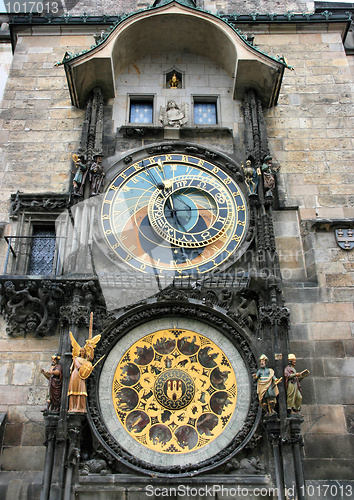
point(28, 247)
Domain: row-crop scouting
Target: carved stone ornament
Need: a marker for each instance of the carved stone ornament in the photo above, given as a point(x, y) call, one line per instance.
point(240, 303)
point(94, 466)
point(142, 418)
point(174, 115)
point(33, 307)
point(30, 203)
point(246, 466)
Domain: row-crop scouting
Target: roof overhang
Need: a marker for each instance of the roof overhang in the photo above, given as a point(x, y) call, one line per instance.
point(173, 27)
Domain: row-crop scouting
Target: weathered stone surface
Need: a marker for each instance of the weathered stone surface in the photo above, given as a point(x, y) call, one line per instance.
point(324, 419)
point(33, 434)
point(334, 390)
point(329, 468)
point(13, 434)
point(23, 373)
point(19, 485)
point(321, 446)
point(330, 349)
point(24, 458)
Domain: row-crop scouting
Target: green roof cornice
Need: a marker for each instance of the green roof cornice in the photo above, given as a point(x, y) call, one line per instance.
point(250, 18)
point(231, 20)
point(186, 3)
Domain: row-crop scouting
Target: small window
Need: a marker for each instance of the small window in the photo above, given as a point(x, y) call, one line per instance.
point(205, 112)
point(141, 110)
point(42, 251)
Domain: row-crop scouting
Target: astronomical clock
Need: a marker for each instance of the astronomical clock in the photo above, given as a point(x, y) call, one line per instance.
point(174, 213)
point(174, 392)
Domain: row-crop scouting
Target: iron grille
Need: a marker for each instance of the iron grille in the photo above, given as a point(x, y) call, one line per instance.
point(42, 251)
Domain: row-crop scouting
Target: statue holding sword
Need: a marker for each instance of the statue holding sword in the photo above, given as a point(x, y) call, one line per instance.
point(81, 368)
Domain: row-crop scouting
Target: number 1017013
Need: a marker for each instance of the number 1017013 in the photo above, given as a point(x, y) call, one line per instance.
point(333, 490)
point(17, 7)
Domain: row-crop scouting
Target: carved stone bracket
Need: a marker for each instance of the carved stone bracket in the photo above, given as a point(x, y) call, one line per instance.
point(75, 423)
point(30, 203)
point(245, 466)
point(272, 426)
point(31, 307)
point(86, 297)
point(274, 315)
point(51, 425)
point(293, 430)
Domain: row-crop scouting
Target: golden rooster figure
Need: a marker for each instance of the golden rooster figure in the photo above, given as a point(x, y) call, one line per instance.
point(81, 369)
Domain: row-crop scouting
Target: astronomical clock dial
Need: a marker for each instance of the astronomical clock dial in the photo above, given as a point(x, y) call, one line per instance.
point(173, 387)
point(174, 213)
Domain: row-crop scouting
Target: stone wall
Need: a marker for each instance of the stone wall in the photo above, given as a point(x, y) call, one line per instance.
point(23, 392)
point(311, 137)
point(221, 6)
point(40, 128)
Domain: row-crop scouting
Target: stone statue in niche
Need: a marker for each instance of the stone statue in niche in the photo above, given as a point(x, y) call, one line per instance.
point(267, 389)
point(174, 115)
point(55, 377)
point(269, 172)
point(80, 175)
point(96, 176)
point(251, 176)
point(292, 385)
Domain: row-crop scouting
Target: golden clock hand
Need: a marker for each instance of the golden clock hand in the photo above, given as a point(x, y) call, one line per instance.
point(160, 164)
point(152, 177)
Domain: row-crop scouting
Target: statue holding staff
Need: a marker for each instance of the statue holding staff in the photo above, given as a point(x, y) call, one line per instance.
point(55, 380)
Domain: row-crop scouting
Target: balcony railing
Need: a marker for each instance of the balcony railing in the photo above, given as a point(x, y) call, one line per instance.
point(33, 255)
point(52, 256)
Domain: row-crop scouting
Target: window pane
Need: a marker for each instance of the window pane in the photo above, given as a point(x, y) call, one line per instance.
point(140, 112)
point(205, 113)
point(42, 251)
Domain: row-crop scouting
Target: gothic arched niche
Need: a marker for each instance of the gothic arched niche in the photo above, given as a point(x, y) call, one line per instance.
point(174, 27)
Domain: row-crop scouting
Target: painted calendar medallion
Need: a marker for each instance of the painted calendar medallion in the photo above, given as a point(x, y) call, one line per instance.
point(174, 391)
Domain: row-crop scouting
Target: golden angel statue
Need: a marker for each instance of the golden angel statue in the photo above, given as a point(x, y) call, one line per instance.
point(81, 368)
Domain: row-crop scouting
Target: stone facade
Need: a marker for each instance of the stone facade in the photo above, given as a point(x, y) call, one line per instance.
point(310, 133)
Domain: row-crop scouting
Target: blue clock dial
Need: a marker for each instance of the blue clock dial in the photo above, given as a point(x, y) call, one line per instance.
point(174, 213)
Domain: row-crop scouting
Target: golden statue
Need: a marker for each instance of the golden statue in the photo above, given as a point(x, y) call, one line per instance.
point(81, 368)
point(174, 81)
